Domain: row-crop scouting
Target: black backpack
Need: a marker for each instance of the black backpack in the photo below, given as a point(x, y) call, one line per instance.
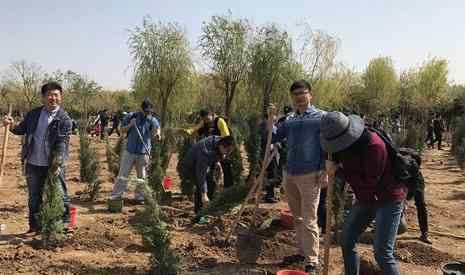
point(405, 164)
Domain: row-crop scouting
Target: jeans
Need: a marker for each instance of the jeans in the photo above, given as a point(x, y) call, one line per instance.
point(127, 162)
point(36, 177)
point(322, 210)
point(226, 166)
point(422, 212)
point(273, 178)
point(211, 189)
point(387, 219)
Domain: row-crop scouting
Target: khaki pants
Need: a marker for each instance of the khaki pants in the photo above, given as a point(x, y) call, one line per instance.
point(303, 195)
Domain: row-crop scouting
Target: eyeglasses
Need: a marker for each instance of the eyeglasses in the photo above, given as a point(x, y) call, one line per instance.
point(298, 93)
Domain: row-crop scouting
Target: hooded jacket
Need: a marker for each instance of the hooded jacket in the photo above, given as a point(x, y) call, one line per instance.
point(200, 157)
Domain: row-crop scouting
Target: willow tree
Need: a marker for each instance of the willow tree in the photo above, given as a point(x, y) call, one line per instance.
point(318, 53)
point(271, 56)
point(381, 85)
point(161, 55)
point(225, 42)
point(432, 82)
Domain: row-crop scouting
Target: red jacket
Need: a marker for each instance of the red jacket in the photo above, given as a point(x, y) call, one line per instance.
point(370, 174)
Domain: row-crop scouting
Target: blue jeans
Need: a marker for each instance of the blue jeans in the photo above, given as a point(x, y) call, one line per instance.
point(387, 219)
point(35, 178)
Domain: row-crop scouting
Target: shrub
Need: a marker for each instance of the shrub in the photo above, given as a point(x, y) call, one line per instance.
point(51, 214)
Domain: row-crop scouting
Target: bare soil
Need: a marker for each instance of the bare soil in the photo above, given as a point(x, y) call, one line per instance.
point(108, 243)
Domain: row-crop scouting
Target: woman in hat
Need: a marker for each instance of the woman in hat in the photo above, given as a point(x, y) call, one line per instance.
point(361, 158)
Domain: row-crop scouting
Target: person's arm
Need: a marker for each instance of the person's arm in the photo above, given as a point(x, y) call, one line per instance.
point(128, 122)
point(62, 141)
point(194, 129)
point(223, 127)
point(19, 129)
point(156, 126)
point(201, 170)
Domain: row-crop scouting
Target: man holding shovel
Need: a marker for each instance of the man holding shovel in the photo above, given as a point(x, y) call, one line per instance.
point(47, 130)
point(140, 127)
point(305, 169)
point(197, 164)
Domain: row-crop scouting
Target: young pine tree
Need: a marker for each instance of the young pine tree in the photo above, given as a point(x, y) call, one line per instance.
point(89, 167)
point(52, 210)
point(164, 260)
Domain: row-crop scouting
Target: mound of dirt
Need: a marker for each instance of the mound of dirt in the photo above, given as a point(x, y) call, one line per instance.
point(421, 254)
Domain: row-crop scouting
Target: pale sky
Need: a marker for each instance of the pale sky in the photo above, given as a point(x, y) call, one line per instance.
point(90, 36)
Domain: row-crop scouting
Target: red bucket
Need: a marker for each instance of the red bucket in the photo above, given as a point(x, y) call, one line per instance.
point(287, 219)
point(291, 272)
point(72, 217)
point(167, 183)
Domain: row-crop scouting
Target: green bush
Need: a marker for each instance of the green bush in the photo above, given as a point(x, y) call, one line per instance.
point(458, 141)
point(51, 214)
point(187, 186)
point(156, 236)
point(253, 145)
point(89, 166)
point(114, 156)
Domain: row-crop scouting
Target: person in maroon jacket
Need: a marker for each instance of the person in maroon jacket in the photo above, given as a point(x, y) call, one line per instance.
point(361, 158)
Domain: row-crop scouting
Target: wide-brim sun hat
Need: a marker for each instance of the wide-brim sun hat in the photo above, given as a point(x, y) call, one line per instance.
point(339, 131)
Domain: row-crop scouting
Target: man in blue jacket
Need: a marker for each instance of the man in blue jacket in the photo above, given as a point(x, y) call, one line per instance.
point(47, 130)
point(141, 128)
point(305, 168)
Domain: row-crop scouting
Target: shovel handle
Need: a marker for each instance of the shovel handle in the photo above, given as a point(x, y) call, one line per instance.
point(329, 213)
point(256, 187)
point(5, 145)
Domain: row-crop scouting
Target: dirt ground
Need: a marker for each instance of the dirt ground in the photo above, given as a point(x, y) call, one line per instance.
point(106, 243)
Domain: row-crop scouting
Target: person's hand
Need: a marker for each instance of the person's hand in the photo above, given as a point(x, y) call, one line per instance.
point(324, 179)
point(272, 110)
point(331, 167)
point(205, 200)
point(8, 120)
point(132, 123)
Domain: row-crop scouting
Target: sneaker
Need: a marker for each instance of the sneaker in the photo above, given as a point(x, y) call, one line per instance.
point(310, 269)
point(270, 200)
point(293, 259)
point(424, 238)
point(201, 220)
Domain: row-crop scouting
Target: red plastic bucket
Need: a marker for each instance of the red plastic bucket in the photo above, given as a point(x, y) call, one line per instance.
point(167, 183)
point(72, 217)
point(287, 219)
point(291, 272)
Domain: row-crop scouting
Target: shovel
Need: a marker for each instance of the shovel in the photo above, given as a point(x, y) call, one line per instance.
point(249, 243)
point(5, 146)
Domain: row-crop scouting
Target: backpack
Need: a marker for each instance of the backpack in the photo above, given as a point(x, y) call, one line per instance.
point(405, 164)
point(227, 124)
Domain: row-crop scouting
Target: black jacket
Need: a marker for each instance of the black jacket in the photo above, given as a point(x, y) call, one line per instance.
point(58, 132)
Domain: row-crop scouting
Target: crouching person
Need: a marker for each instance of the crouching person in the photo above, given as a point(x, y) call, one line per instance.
point(361, 158)
point(197, 165)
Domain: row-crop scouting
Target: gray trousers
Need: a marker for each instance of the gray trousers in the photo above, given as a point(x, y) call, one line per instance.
point(128, 160)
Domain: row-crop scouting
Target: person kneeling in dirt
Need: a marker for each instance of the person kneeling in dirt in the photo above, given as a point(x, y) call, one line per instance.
point(47, 129)
point(197, 165)
point(140, 127)
point(363, 162)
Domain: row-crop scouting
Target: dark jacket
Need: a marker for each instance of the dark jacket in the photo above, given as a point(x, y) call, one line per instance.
point(200, 157)
point(370, 174)
point(58, 132)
